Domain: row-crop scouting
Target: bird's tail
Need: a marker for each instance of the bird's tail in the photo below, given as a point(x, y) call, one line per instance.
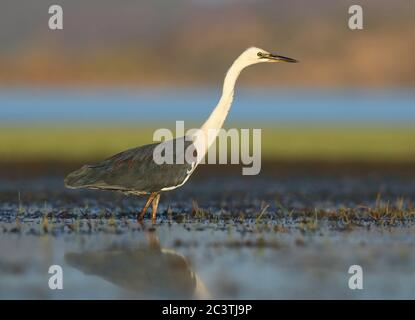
point(81, 178)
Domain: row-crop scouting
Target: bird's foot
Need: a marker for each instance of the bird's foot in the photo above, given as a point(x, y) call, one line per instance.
point(155, 206)
point(153, 199)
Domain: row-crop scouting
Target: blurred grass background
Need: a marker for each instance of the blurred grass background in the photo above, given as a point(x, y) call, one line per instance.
point(160, 44)
point(302, 142)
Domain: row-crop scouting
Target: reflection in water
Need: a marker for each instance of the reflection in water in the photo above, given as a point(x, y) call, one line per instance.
point(150, 272)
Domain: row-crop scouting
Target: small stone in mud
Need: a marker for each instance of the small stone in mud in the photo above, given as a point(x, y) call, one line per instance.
point(300, 242)
point(177, 243)
point(179, 218)
point(15, 230)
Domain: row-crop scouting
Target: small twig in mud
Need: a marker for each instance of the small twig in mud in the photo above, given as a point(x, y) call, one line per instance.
point(45, 224)
point(74, 226)
point(20, 209)
point(111, 221)
point(169, 214)
point(263, 210)
point(344, 216)
point(315, 217)
point(18, 227)
point(241, 217)
point(196, 212)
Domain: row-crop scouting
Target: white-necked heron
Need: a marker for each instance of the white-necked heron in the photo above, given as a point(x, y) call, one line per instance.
point(134, 171)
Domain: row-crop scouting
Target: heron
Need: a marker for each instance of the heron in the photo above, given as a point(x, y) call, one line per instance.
point(148, 270)
point(135, 172)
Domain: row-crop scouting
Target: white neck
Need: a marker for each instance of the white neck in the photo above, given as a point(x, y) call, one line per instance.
point(210, 128)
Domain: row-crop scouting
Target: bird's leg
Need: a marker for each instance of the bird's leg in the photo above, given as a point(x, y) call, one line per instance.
point(153, 240)
point(144, 210)
point(155, 206)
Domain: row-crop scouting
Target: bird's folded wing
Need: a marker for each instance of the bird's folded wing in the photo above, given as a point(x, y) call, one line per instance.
point(133, 170)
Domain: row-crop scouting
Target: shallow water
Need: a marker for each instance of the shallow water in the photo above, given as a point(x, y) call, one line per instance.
point(225, 246)
point(209, 264)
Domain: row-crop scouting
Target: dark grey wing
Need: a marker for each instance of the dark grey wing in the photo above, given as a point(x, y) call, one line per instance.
point(136, 170)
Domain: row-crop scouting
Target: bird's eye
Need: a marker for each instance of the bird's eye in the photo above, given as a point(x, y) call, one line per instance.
point(259, 54)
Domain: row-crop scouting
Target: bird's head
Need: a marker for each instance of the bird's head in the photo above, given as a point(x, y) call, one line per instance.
point(256, 55)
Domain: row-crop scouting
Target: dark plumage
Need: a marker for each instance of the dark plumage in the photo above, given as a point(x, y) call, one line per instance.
point(131, 171)
point(134, 171)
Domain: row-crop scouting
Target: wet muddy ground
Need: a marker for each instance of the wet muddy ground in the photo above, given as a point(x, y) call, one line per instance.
point(220, 236)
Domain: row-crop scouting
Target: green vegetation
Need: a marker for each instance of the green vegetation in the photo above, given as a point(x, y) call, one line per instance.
point(78, 143)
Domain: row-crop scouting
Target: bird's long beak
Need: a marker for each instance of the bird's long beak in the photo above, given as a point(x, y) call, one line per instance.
point(277, 58)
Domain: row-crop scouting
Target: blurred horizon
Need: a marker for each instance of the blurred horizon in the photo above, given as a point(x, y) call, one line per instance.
point(193, 42)
point(250, 106)
point(119, 70)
